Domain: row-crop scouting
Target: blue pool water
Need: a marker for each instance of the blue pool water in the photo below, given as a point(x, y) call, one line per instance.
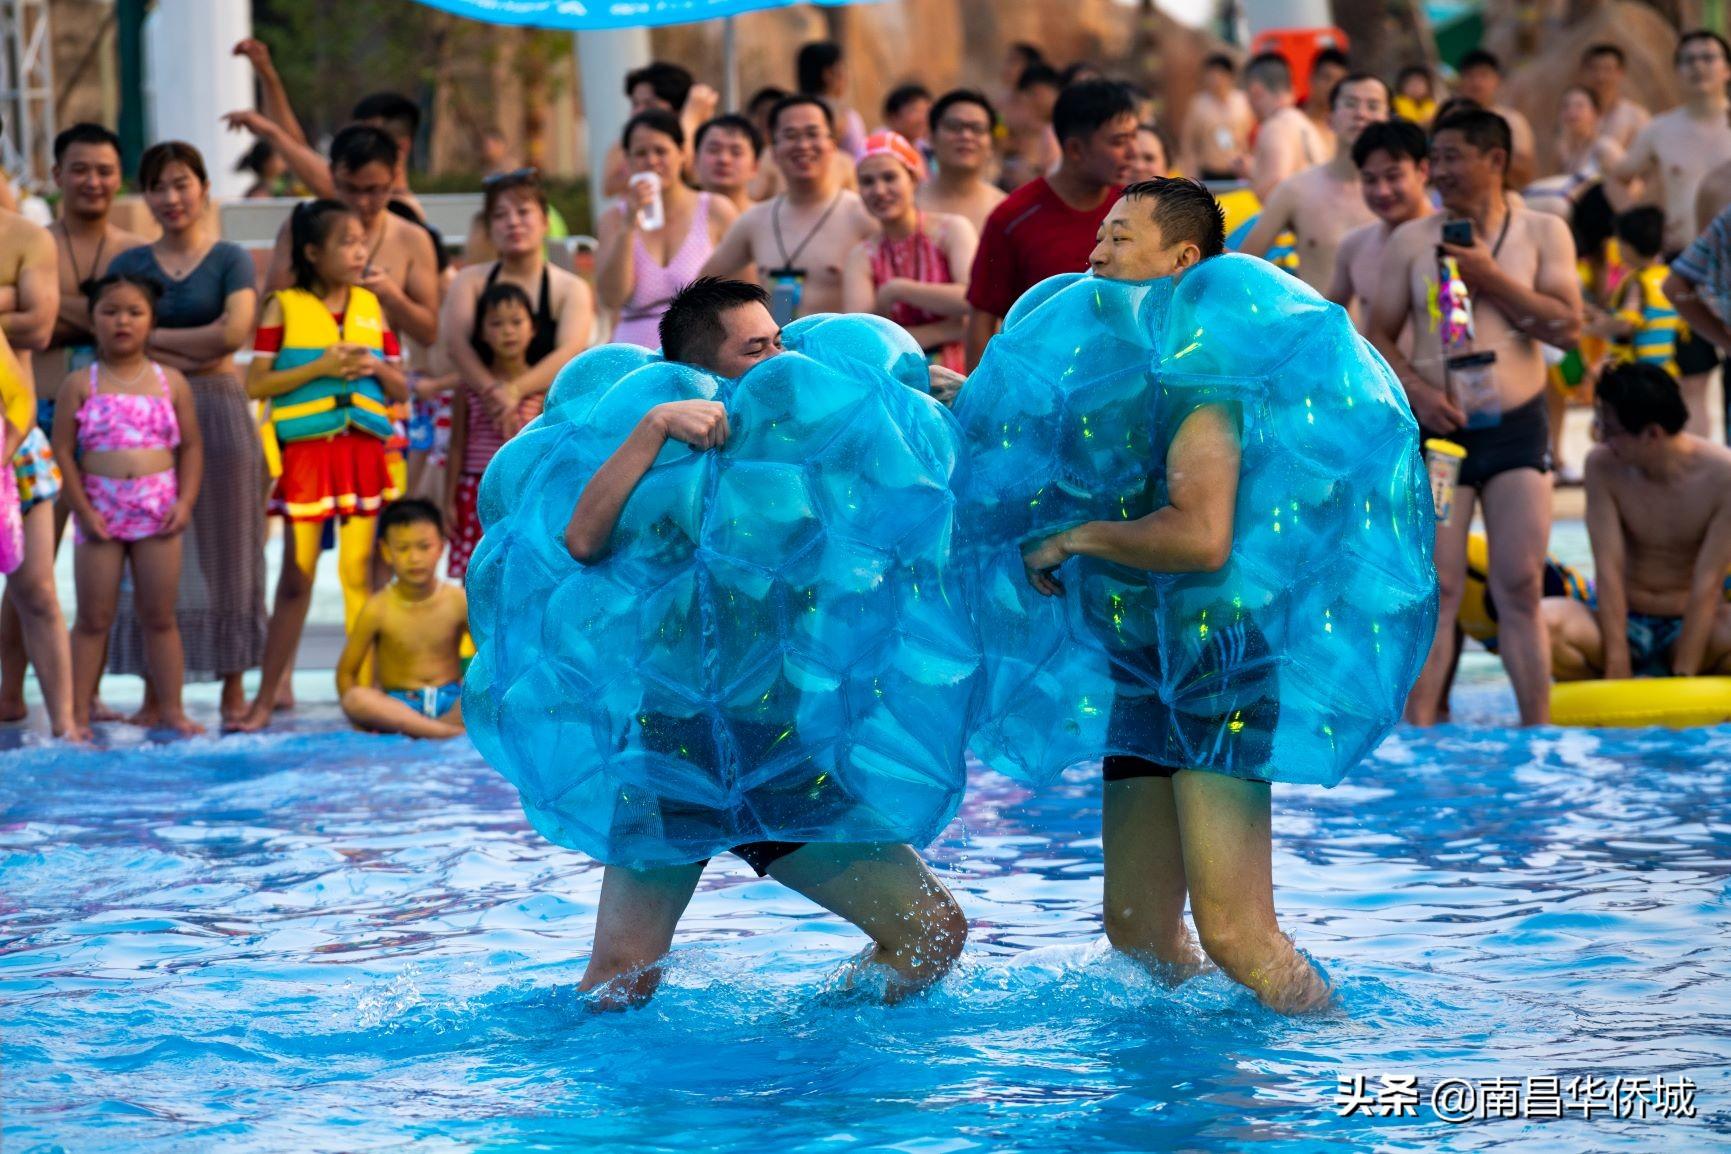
point(313, 941)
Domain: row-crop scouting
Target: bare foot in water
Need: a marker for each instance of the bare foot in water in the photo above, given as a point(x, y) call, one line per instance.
point(179, 723)
point(75, 733)
point(13, 709)
point(285, 696)
point(254, 719)
point(149, 716)
point(101, 712)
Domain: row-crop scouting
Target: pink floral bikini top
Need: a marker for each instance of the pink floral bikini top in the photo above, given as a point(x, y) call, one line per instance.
point(110, 421)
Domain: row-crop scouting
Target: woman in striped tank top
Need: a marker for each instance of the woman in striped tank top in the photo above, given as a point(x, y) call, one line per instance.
point(640, 269)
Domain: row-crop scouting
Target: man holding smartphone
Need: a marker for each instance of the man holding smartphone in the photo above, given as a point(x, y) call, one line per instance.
point(1485, 282)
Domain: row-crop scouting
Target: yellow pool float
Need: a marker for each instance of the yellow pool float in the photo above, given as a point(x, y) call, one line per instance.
point(1670, 702)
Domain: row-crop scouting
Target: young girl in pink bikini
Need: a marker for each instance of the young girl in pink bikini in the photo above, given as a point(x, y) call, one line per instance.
point(126, 436)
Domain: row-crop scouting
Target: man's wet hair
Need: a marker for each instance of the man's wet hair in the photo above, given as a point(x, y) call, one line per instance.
point(957, 96)
point(1350, 78)
point(358, 145)
point(1039, 75)
point(84, 132)
point(730, 122)
point(398, 115)
point(768, 94)
point(1604, 48)
point(1083, 109)
point(1479, 127)
point(670, 83)
point(1221, 61)
point(691, 329)
point(1701, 34)
point(409, 511)
point(1641, 395)
point(1185, 211)
point(1270, 70)
point(1480, 58)
point(800, 100)
point(1397, 136)
point(1332, 56)
point(903, 95)
point(1643, 229)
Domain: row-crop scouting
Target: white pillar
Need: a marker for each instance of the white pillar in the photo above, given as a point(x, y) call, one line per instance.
point(192, 77)
point(603, 59)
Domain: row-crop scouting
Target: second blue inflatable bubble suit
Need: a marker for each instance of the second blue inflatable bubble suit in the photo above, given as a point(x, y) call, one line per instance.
point(1292, 661)
point(776, 644)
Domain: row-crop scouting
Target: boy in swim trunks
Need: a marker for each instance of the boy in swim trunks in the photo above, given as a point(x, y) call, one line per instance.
point(418, 624)
point(1659, 518)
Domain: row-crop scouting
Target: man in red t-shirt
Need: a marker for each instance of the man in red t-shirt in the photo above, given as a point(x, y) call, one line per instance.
point(1050, 225)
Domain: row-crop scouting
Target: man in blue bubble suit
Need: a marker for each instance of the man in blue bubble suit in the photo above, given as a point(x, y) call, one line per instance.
point(1171, 830)
point(725, 328)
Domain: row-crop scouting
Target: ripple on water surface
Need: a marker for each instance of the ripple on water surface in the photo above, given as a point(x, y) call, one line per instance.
point(317, 941)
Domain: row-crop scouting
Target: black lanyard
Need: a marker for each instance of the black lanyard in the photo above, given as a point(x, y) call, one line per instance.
point(775, 225)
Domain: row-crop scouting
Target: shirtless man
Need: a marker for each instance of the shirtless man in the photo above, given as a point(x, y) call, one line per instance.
point(1675, 152)
point(1286, 141)
point(1393, 160)
point(1215, 141)
point(728, 151)
point(402, 269)
point(800, 240)
point(1620, 118)
point(1519, 272)
point(1322, 204)
point(962, 123)
point(1481, 76)
point(87, 169)
point(1327, 68)
point(1034, 149)
point(1659, 518)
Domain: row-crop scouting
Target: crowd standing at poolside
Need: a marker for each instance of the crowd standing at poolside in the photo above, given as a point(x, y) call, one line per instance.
point(383, 376)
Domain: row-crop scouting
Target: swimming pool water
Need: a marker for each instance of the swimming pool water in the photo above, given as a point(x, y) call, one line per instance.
point(315, 941)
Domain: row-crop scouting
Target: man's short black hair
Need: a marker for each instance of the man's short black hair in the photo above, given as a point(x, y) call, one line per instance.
point(358, 145)
point(1039, 75)
point(800, 100)
point(397, 114)
point(691, 329)
point(409, 511)
point(1604, 48)
point(1219, 60)
point(768, 94)
point(1480, 58)
point(957, 96)
point(1083, 109)
point(1030, 53)
point(903, 95)
point(1643, 229)
point(1270, 70)
point(1398, 137)
point(1479, 127)
point(1184, 210)
point(84, 132)
point(1411, 70)
point(1701, 34)
point(1641, 395)
point(670, 83)
point(1358, 78)
point(813, 63)
point(730, 122)
point(1330, 55)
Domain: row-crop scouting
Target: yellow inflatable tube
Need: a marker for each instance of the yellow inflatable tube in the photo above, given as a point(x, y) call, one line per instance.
point(1671, 702)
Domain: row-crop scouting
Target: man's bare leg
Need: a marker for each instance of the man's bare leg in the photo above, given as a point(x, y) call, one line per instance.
point(1425, 702)
point(892, 895)
point(1694, 388)
point(1145, 886)
point(634, 925)
point(1228, 854)
point(1577, 648)
point(1518, 530)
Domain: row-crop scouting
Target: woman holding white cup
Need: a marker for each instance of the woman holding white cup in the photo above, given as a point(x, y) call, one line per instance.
point(654, 241)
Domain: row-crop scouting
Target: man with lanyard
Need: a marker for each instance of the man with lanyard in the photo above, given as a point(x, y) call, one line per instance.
point(1474, 374)
point(799, 240)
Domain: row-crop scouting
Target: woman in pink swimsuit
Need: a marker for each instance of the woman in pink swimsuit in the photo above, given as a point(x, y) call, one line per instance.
point(639, 269)
point(916, 271)
point(126, 435)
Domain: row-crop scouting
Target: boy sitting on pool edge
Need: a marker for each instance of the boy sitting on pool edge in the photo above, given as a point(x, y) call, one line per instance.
point(418, 625)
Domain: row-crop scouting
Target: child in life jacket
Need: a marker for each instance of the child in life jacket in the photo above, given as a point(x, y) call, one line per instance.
point(126, 436)
point(329, 366)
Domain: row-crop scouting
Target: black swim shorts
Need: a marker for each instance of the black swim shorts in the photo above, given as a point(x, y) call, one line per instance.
point(1521, 440)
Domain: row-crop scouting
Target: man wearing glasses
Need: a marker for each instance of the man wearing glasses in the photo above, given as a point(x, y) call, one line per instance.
point(962, 123)
point(799, 240)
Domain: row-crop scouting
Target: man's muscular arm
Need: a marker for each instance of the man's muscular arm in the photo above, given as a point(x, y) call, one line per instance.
point(1706, 594)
